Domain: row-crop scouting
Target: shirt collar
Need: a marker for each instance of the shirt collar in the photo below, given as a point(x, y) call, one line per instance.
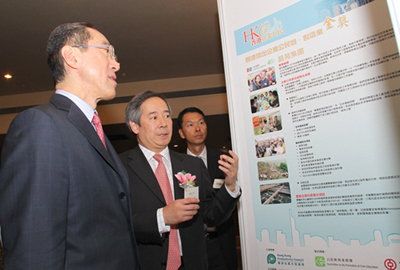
point(150, 154)
point(87, 110)
point(202, 155)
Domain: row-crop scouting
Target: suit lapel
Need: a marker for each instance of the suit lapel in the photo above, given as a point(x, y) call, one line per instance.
point(139, 164)
point(120, 167)
point(79, 120)
point(177, 166)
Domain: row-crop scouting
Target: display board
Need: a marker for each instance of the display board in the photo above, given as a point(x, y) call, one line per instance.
point(313, 90)
point(394, 9)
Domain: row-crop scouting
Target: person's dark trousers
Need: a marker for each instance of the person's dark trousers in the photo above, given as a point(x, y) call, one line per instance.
point(1, 258)
point(227, 243)
point(221, 247)
point(214, 253)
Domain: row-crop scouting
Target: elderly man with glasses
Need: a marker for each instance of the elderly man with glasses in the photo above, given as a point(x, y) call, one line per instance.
point(64, 199)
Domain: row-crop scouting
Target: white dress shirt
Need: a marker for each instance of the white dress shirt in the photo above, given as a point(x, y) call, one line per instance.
point(87, 110)
point(162, 227)
point(202, 155)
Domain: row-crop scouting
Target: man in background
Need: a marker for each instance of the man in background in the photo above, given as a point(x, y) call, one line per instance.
point(1, 253)
point(64, 200)
point(169, 227)
point(221, 244)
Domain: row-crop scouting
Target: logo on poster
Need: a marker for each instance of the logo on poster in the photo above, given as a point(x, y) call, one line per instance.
point(271, 259)
point(390, 264)
point(320, 261)
point(263, 32)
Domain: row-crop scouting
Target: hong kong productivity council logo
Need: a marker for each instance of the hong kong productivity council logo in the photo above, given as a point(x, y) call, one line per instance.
point(320, 261)
point(271, 259)
point(390, 264)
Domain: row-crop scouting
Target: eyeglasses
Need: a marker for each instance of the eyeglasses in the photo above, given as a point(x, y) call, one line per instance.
point(108, 47)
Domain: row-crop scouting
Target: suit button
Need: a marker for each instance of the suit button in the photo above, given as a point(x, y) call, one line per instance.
point(122, 195)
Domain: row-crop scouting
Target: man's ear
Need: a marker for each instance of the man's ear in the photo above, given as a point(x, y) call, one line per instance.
point(68, 53)
point(181, 134)
point(134, 127)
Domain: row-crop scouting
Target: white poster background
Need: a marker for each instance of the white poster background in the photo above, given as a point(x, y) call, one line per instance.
point(362, 139)
point(394, 8)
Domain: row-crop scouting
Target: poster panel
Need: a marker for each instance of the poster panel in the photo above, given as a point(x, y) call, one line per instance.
point(314, 99)
point(394, 9)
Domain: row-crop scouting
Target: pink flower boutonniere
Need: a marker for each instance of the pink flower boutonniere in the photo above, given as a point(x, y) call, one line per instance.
point(186, 179)
point(187, 182)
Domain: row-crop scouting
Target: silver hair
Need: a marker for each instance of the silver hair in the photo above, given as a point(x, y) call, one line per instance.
point(133, 110)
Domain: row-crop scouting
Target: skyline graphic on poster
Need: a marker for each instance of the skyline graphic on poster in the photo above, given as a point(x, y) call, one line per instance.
point(296, 238)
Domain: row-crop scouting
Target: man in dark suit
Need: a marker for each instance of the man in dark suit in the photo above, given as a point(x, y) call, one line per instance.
point(156, 218)
point(64, 200)
point(221, 242)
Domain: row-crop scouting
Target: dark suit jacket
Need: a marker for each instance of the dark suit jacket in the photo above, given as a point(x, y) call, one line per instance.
point(147, 198)
point(212, 163)
point(64, 200)
point(226, 231)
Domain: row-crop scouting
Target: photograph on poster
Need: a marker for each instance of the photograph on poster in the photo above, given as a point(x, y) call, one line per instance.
point(261, 79)
point(264, 101)
point(329, 8)
point(270, 147)
point(275, 193)
point(267, 123)
point(272, 170)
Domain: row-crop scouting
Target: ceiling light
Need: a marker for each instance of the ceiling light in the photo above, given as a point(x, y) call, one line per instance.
point(8, 76)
